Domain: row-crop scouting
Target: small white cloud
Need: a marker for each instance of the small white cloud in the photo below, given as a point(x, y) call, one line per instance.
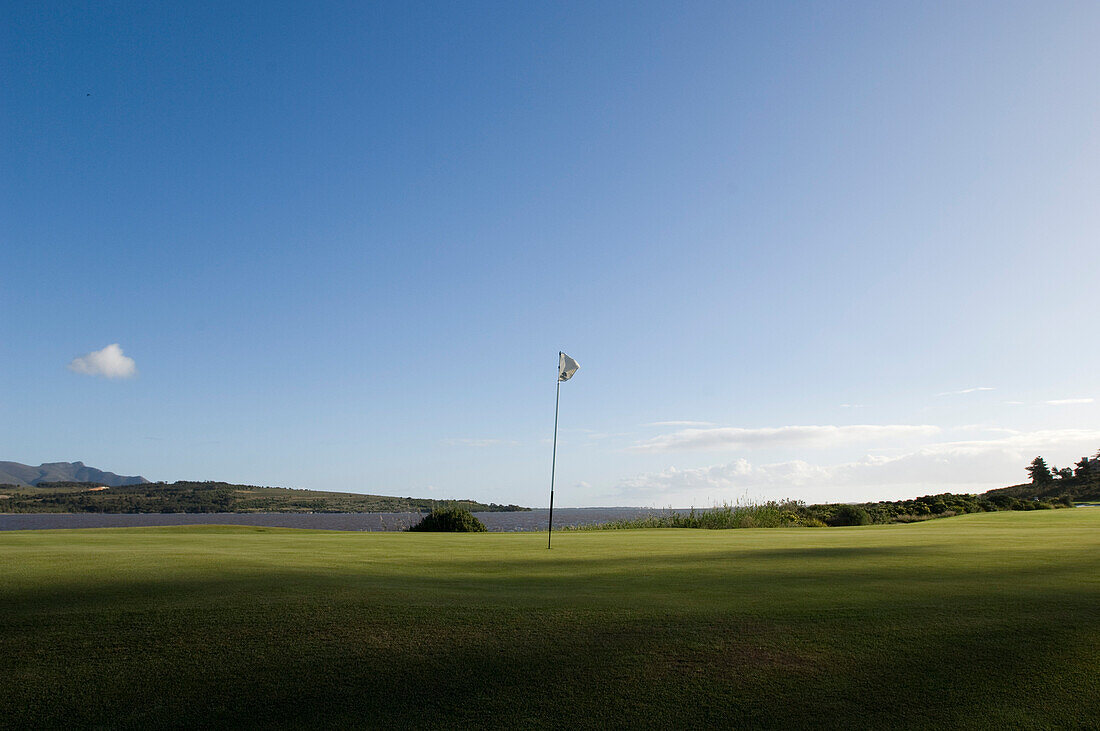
point(966, 390)
point(734, 437)
point(107, 363)
point(1068, 401)
point(679, 423)
point(1015, 403)
point(851, 406)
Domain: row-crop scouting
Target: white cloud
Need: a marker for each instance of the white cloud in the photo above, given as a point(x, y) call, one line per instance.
point(988, 428)
point(851, 406)
point(107, 363)
point(1068, 401)
point(735, 437)
point(964, 466)
point(965, 390)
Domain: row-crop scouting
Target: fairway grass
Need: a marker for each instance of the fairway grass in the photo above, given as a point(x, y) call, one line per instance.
point(984, 620)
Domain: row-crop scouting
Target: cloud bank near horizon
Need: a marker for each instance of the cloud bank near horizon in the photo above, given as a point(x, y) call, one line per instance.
point(958, 466)
point(782, 436)
point(108, 362)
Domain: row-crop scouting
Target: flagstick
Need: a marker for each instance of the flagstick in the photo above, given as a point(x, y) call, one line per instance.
point(553, 464)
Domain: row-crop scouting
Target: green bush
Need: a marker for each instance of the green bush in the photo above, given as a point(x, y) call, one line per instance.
point(850, 515)
point(450, 520)
point(809, 521)
point(770, 514)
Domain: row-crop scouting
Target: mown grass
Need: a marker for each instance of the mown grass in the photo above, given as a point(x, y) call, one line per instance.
point(984, 620)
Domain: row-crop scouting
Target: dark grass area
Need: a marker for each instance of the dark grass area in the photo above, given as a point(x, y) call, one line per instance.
point(981, 621)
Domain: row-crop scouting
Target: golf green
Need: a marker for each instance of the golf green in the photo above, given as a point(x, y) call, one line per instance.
point(984, 620)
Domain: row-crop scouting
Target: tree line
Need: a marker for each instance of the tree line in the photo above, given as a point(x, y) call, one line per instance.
point(1086, 468)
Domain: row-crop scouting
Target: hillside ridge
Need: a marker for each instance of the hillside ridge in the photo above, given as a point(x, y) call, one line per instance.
point(211, 497)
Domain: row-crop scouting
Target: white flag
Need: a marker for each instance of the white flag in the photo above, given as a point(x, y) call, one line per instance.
point(566, 367)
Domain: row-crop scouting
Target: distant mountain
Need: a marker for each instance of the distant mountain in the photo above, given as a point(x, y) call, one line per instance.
point(14, 473)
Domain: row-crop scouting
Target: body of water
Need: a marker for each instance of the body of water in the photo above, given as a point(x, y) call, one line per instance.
point(518, 521)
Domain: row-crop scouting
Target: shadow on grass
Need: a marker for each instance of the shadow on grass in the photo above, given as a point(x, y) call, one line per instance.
point(333, 662)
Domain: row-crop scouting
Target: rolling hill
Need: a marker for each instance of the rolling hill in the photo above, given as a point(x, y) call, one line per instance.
point(73, 487)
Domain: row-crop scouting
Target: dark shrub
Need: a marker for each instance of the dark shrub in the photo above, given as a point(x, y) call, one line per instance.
point(450, 520)
point(850, 515)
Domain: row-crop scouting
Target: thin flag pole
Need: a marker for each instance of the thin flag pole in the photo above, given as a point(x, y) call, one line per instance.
point(554, 461)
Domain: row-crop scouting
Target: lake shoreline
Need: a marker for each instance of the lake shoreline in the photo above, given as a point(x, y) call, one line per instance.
point(496, 521)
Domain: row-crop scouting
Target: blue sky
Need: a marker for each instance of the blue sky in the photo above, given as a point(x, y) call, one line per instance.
point(343, 244)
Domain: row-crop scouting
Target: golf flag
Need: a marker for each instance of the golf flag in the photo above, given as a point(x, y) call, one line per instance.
point(566, 367)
